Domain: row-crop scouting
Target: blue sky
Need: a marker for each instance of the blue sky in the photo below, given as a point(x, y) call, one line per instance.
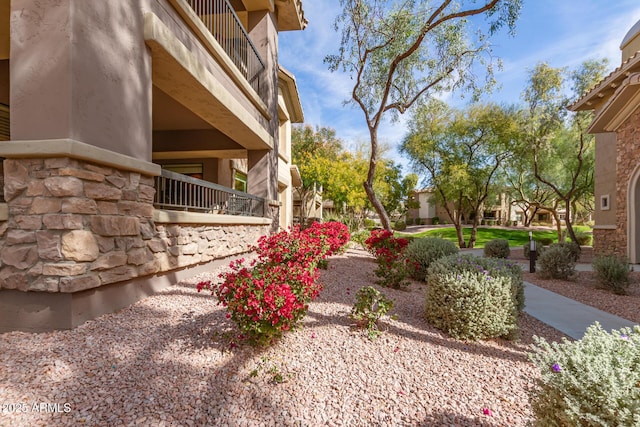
point(563, 33)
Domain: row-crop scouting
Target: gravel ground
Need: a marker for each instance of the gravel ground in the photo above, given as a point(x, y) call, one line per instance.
point(173, 359)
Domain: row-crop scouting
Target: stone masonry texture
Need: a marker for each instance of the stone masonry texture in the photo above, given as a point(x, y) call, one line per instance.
point(74, 225)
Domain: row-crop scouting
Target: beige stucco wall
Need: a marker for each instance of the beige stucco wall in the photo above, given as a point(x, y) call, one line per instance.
point(605, 178)
point(80, 70)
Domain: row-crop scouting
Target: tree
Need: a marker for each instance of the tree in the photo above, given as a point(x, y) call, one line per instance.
point(314, 152)
point(398, 52)
point(563, 153)
point(461, 151)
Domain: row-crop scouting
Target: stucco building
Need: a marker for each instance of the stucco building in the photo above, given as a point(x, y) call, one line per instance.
point(142, 142)
point(616, 103)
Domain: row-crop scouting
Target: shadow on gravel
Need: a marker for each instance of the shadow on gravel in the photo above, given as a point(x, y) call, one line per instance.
point(441, 418)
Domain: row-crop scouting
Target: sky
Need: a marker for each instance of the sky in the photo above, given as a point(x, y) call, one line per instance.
point(563, 33)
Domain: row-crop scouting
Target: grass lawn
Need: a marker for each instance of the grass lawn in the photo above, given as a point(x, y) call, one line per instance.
point(515, 237)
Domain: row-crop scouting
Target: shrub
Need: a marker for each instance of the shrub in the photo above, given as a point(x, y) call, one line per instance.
point(591, 382)
point(612, 273)
point(474, 298)
point(400, 225)
point(573, 248)
point(420, 253)
point(497, 248)
point(370, 306)
point(556, 262)
point(545, 241)
point(360, 237)
point(410, 221)
point(435, 220)
point(583, 238)
point(388, 251)
point(369, 223)
point(271, 294)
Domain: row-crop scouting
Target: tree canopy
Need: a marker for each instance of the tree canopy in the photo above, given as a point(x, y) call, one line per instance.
point(397, 52)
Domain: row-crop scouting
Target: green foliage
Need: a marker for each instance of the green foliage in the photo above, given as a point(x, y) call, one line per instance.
point(400, 225)
point(370, 306)
point(497, 248)
point(516, 237)
point(435, 220)
point(545, 241)
point(594, 381)
point(399, 52)
point(573, 248)
point(369, 223)
point(584, 239)
point(474, 298)
point(556, 262)
point(420, 253)
point(527, 248)
point(360, 237)
point(612, 273)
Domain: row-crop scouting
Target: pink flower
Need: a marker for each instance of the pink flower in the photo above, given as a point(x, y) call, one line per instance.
point(487, 412)
point(313, 334)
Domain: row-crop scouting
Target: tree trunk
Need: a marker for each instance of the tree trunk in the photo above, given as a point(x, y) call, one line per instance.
point(569, 224)
point(368, 184)
point(558, 224)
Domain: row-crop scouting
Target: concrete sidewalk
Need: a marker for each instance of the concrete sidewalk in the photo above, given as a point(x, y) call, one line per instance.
point(566, 315)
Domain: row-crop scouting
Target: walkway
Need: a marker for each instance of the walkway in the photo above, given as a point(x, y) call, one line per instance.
point(566, 315)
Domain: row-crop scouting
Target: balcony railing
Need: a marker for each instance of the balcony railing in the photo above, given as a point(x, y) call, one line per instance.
point(175, 191)
point(223, 23)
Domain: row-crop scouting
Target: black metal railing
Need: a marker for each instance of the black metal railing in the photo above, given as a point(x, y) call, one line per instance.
point(175, 191)
point(223, 23)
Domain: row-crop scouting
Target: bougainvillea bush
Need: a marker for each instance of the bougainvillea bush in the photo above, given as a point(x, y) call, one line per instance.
point(389, 252)
point(271, 294)
point(594, 381)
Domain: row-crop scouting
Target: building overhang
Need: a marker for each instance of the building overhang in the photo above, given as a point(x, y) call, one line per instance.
point(289, 91)
point(178, 73)
point(296, 178)
point(617, 109)
point(600, 94)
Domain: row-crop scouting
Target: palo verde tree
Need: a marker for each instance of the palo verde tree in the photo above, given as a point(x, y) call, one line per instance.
point(462, 153)
point(399, 51)
point(563, 153)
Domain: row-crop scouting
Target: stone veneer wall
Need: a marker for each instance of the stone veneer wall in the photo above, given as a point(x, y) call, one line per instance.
point(628, 155)
point(75, 225)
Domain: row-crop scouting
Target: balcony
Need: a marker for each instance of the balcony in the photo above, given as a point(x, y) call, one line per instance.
point(175, 191)
point(221, 21)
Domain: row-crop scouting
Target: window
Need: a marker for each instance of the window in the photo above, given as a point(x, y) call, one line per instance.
point(193, 170)
point(604, 202)
point(240, 181)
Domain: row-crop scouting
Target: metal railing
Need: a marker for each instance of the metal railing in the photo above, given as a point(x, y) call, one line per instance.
point(223, 23)
point(175, 191)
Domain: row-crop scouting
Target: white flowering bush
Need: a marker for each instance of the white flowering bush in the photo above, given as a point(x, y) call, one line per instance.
point(591, 382)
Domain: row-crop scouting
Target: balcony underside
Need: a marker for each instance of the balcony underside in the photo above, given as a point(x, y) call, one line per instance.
point(178, 73)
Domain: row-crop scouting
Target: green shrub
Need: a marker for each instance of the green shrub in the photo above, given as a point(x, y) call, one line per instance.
point(612, 273)
point(574, 249)
point(544, 241)
point(400, 225)
point(410, 221)
point(474, 298)
point(370, 306)
point(420, 253)
point(360, 236)
point(369, 223)
point(435, 220)
point(591, 382)
point(556, 262)
point(583, 238)
point(497, 248)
